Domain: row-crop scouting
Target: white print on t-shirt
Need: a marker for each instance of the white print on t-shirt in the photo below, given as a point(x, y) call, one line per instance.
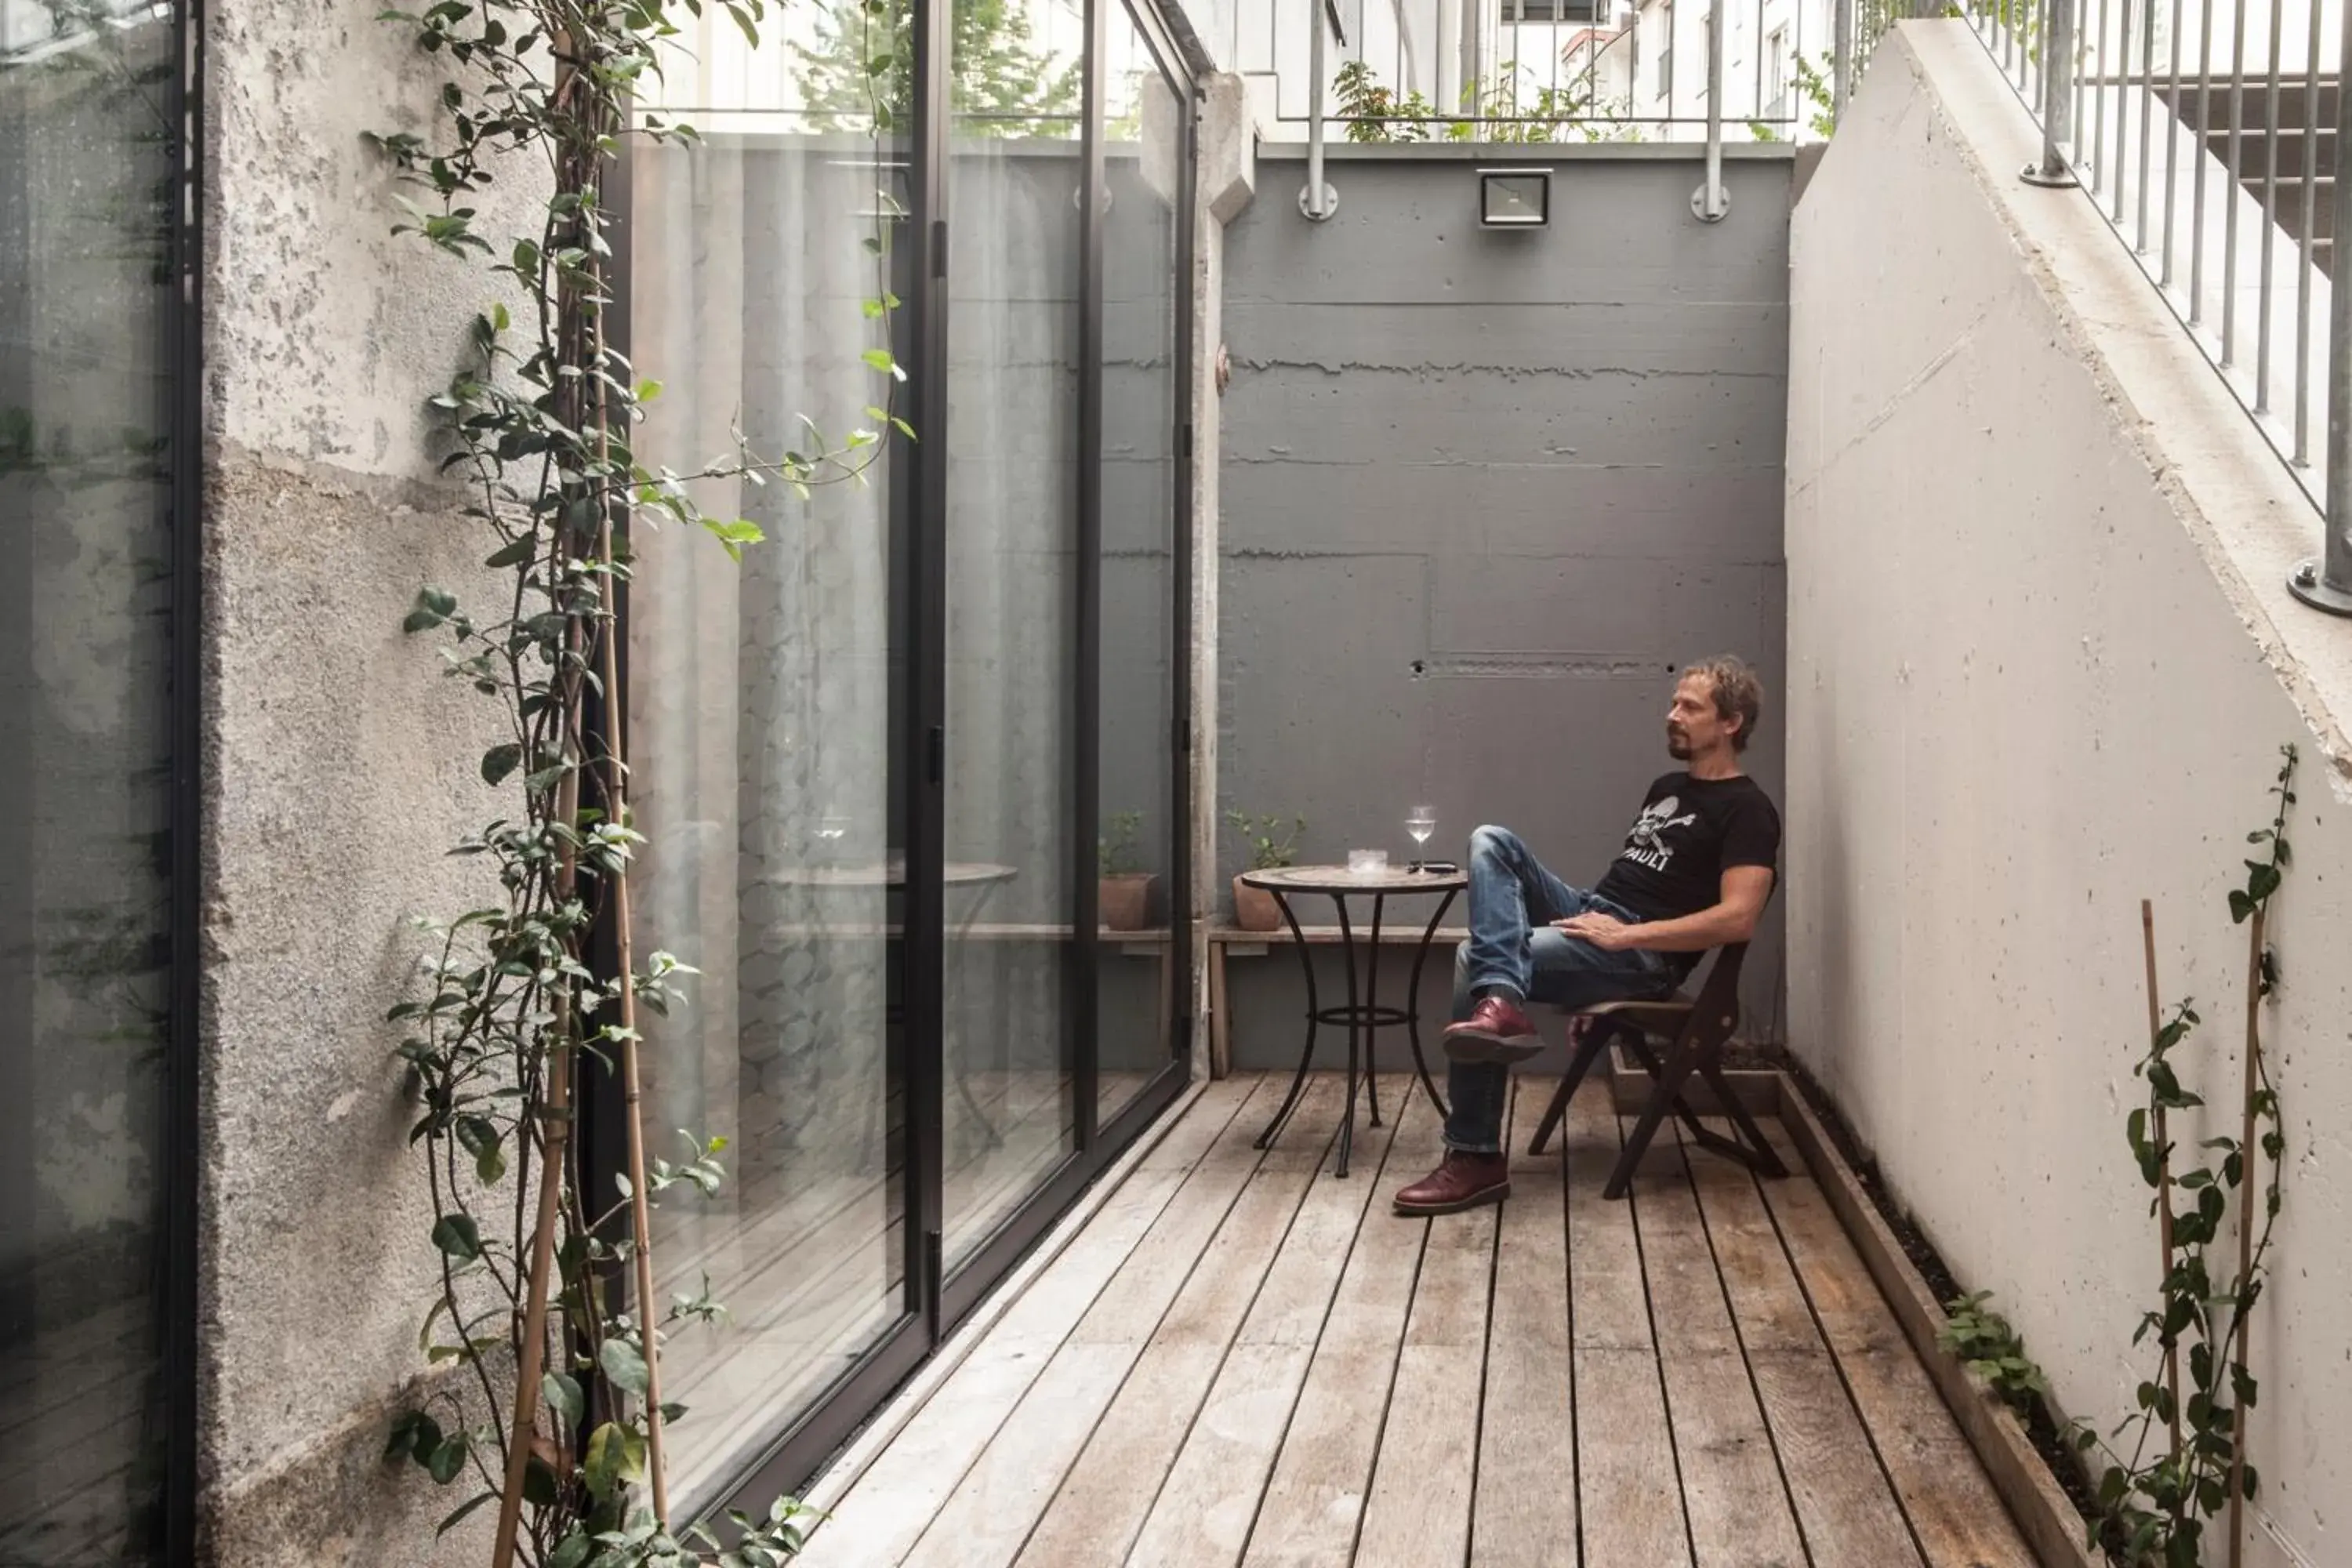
point(1646, 845)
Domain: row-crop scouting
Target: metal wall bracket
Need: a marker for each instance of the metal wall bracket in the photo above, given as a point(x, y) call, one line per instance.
point(1307, 203)
point(1720, 210)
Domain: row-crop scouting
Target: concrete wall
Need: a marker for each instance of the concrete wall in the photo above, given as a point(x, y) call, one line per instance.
point(1483, 493)
point(339, 763)
point(2041, 665)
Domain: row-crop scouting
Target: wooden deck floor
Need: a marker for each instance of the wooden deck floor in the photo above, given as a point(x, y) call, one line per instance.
point(1242, 1359)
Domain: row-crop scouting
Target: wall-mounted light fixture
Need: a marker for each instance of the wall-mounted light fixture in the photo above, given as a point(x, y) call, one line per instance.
point(1513, 198)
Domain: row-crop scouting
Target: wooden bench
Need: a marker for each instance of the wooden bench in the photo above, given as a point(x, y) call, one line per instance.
point(1224, 940)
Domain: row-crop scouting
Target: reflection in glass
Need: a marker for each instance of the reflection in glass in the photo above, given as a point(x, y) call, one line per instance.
point(763, 702)
point(1014, 178)
point(1143, 138)
point(85, 694)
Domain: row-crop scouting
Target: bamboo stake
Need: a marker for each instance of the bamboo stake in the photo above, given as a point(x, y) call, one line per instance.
point(2248, 1152)
point(554, 1138)
point(2164, 1177)
point(633, 1093)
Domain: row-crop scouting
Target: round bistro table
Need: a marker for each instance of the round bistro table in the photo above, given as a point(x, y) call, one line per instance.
point(1363, 1012)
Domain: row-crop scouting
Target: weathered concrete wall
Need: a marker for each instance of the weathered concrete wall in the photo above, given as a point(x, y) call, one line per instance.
point(339, 763)
point(1483, 493)
point(2041, 661)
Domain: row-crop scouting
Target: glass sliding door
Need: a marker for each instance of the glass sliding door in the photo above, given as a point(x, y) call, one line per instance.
point(876, 761)
point(1015, 181)
point(766, 698)
point(91, 690)
point(1145, 142)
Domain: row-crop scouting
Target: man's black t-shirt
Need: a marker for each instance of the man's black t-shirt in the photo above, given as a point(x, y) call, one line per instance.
point(1689, 831)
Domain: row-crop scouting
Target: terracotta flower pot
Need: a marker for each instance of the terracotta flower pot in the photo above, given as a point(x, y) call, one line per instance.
point(1255, 909)
point(1124, 903)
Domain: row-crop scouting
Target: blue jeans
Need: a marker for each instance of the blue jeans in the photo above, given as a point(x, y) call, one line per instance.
point(1512, 948)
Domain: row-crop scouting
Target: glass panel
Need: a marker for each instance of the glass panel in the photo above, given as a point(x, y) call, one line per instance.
point(764, 704)
point(86, 103)
point(1143, 145)
point(1014, 181)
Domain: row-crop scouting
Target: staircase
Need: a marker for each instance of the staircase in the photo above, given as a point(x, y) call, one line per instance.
point(2295, 151)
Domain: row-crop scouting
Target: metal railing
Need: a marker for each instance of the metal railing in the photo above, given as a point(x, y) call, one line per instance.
point(2207, 134)
point(1711, 203)
point(1541, 70)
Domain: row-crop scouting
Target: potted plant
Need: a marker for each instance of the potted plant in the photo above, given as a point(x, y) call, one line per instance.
point(1123, 895)
point(1272, 844)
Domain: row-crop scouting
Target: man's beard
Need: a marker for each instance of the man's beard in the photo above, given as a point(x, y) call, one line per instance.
point(1678, 747)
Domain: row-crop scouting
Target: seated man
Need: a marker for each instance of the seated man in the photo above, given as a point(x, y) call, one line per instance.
point(1694, 875)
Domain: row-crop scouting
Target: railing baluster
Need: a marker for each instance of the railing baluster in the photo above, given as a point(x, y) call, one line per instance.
point(2197, 170)
point(2270, 216)
point(2147, 107)
point(2309, 233)
point(2172, 147)
point(2325, 581)
point(2230, 202)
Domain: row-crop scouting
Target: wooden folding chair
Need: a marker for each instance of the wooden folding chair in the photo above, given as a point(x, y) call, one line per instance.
point(1698, 1029)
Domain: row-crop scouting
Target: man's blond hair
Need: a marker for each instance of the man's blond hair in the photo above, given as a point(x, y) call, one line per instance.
point(1738, 693)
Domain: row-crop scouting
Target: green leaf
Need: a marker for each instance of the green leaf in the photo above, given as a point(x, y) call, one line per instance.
point(564, 1396)
point(457, 1517)
point(514, 554)
point(733, 536)
point(539, 1488)
point(433, 607)
point(447, 1459)
point(499, 762)
point(415, 1435)
point(881, 360)
point(459, 1237)
point(624, 1365)
point(617, 1456)
point(572, 1551)
point(647, 390)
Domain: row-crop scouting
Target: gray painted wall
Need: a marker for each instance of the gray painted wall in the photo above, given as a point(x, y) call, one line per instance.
point(1483, 493)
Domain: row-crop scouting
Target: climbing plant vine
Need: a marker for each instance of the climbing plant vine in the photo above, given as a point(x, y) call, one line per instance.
point(2179, 1463)
point(546, 1311)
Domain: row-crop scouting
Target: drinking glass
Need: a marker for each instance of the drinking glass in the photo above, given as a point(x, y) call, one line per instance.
point(1421, 822)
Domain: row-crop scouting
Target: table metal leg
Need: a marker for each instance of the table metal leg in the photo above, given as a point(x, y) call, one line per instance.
point(1358, 1026)
point(1314, 1006)
point(1373, 1008)
point(1413, 1002)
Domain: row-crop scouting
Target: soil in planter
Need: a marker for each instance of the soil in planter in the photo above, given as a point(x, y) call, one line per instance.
point(2064, 1463)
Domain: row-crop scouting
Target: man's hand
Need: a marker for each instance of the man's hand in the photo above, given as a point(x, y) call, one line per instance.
point(1606, 932)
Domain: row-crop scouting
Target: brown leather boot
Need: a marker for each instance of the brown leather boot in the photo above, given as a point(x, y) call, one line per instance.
point(1496, 1031)
point(1464, 1182)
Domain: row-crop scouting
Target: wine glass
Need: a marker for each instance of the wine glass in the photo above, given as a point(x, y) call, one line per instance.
point(1421, 822)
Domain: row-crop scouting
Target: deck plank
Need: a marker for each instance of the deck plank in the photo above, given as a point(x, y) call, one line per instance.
point(1524, 1515)
point(882, 1517)
point(1202, 1517)
point(1418, 1511)
point(998, 1500)
point(1733, 1494)
point(1104, 1500)
point(1631, 1510)
point(1242, 1359)
point(1845, 1503)
point(1315, 1499)
point(1943, 1490)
